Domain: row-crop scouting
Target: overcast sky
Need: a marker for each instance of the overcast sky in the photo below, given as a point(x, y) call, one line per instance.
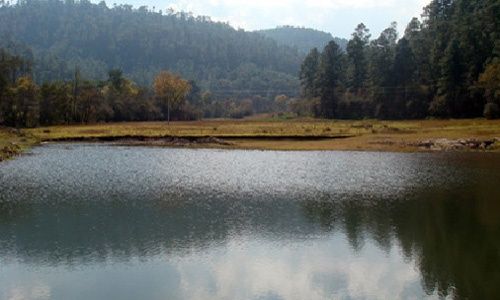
point(338, 17)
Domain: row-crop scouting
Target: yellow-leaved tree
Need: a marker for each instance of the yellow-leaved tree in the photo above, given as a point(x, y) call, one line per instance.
point(172, 89)
point(489, 81)
point(25, 104)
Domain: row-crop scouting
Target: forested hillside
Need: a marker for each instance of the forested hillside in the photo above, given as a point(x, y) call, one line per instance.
point(304, 39)
point(445, 65)
point(67, 62)
point(60, 36)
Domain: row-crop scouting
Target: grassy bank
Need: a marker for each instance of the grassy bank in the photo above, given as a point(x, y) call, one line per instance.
point(303, 134)
point(14, 142)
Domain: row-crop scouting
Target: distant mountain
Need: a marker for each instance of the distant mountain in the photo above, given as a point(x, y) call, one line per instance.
point(64, 35)
point(304, 39)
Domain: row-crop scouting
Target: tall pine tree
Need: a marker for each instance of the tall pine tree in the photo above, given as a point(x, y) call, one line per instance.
point(330, 77)
point(308, 73)
point(356, 53)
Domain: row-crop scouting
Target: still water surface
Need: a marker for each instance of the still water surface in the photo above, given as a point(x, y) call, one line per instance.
point(82, 221)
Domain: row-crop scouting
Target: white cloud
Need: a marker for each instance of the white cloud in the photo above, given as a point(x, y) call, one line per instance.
point(267, 4)
point(339, 17)
point(321, 270)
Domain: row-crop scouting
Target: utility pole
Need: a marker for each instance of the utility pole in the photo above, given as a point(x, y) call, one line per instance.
point(75, 91)
point(168, 111)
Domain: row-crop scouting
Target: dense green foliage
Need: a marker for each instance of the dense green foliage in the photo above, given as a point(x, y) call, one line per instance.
point(304, 39)
point(446, 65)
point(23, 103)
point(56, 57)
point(141, 42)
point(18, 94)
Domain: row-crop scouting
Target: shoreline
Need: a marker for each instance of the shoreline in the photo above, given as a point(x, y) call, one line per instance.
point(290, 143)
point(471, 135)
point(14, 142)
point(262, 145)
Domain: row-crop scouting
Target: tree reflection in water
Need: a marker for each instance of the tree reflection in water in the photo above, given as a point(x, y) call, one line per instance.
point(452, 236)
point(448, 228)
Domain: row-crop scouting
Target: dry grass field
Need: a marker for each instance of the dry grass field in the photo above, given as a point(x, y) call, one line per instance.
point(297, 134)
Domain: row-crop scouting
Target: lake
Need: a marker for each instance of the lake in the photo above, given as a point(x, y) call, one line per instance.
point(95, 221)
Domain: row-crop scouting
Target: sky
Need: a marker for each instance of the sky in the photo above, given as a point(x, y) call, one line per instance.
point(339, 17)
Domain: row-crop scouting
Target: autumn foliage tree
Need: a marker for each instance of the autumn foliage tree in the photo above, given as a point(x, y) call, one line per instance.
point(171, 89)
point(489, 82)
point(24, 104)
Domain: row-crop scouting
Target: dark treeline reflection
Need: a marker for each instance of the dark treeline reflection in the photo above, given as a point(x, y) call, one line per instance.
point(451, 236)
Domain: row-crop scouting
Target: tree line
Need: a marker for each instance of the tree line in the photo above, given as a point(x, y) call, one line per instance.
point(445, 65)
point(24, 103)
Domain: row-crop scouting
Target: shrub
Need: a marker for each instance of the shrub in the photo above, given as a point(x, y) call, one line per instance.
point(491, 111)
